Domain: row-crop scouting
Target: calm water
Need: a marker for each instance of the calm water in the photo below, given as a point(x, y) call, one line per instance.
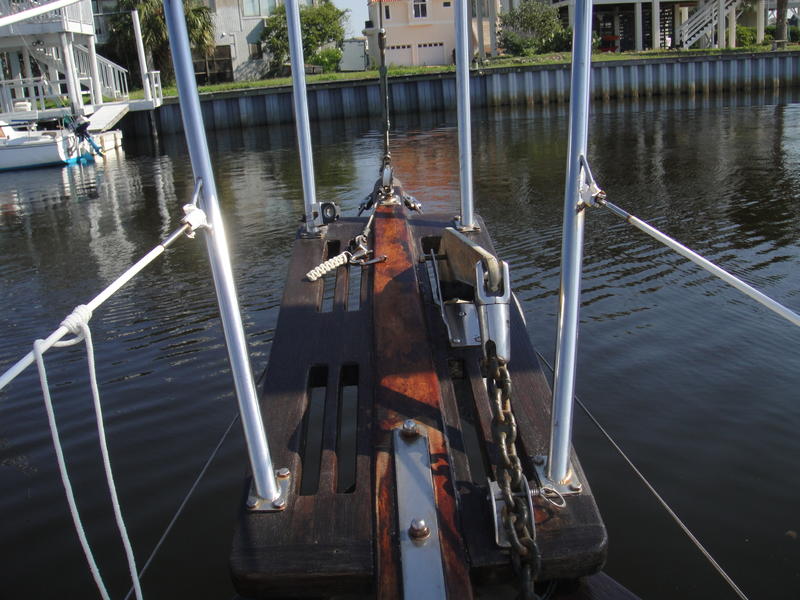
point(698, 384)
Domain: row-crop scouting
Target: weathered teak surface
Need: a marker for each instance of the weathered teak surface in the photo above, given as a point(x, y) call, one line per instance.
point(335, 541)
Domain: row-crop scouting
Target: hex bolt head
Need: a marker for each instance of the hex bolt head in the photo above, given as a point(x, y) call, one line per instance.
point(279, 503)
point(575, 487)
point(419, 530)
point(283, 473)
point(410, 429)
point(456, 340)
point(252, 502)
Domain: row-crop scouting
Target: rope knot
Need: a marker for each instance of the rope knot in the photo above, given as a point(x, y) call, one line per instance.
point(79, 317)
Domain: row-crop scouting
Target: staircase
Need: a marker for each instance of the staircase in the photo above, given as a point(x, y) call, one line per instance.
point(113, 78)
point(703, 22)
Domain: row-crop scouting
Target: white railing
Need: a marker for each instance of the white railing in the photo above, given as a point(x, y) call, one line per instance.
point(113, 78)
point(36, 90)
point(155, 87)
point(702, 22)
point(80, 12)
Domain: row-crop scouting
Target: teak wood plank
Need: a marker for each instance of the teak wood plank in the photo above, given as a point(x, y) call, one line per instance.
point(322, 543)
point(407, 387)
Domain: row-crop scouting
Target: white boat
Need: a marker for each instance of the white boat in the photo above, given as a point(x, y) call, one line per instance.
point(31, 148)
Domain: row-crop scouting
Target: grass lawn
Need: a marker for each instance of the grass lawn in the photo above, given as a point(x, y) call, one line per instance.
point(500, 62)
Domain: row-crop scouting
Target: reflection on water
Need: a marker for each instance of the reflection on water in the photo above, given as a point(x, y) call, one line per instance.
point(696, 382)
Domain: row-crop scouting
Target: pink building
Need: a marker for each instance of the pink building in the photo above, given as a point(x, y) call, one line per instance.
point(422, 32)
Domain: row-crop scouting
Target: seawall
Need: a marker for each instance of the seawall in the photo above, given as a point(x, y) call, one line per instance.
point(530, 85)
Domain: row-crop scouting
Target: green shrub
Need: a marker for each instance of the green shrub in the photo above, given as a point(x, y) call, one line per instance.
point(532, 28)
point(745, 36)
point(328, 59)
point(792, 32)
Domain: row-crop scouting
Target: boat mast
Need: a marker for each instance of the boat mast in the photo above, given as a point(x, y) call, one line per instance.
point(265, 486)
point(301, 114)
point(464, 131)
point(558, 466)
point(382, 72)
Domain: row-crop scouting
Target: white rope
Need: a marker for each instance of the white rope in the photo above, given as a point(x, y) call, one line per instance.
point(38, 346)
point(77, 324)
point(328, 265)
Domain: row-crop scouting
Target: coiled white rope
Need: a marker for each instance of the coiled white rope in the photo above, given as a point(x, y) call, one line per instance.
point(329, 265)
point(77, 324)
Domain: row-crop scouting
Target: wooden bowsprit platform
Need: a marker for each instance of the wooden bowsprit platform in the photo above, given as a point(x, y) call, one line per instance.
point(356, 355)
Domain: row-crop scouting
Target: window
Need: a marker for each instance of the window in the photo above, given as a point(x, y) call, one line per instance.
point(257, 8)
point(420, 9)
point(256, 51)
point(446, 4)
point(386, 13)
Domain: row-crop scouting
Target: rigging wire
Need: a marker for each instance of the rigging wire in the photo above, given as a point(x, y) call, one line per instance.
point(737, 590)
point(185, 501)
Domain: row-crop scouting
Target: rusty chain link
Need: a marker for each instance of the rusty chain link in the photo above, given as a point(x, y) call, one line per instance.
point(518, 520)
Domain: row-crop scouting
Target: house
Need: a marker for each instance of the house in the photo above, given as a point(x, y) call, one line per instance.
point(422, 32)
point(54, 53)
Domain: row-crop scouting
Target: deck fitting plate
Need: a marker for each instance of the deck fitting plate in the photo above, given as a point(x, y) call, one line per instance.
point(256, 503)
point(571, 487)
point(418, 531)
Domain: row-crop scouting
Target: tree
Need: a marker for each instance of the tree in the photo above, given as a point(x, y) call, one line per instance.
point(531, 28)
point(781, 32)
point(199, 23)
point(321, 25)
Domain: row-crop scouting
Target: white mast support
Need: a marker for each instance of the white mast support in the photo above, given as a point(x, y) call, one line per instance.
point(558, 467)
point(301, 113)
point(493, 26)
point(264, 484)
point(73, 87)
point(637, 26)
point(23, 15)
point(137, 33)
point(732, 27)
point(97, 86)
point(720, 23)
point(760, 18)
point(655, 22)
point(479, 23)
point(464, 133)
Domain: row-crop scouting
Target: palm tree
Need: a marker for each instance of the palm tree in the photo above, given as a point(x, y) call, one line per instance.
point(199, 23)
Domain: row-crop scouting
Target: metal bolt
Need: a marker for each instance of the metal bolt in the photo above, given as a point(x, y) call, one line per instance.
point(283, 473)
point(462, 314)
point(419, 530)
point(456, 340)
point(279, 502)
point(409, 429)
point(252, 502)
point(575, 487)
point(538, 460)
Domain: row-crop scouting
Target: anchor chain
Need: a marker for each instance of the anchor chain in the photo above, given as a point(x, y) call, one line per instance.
point(518, 520)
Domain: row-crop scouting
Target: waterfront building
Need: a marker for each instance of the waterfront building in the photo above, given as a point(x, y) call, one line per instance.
point(53, 53)
point(421, 32)
point(239, 53)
